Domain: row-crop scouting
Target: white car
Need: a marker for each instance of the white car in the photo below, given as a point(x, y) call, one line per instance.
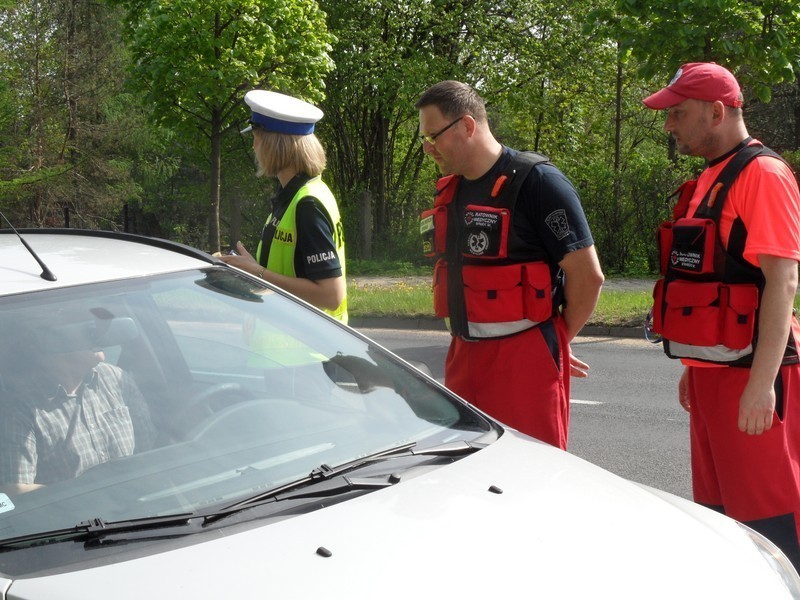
point(287, 456)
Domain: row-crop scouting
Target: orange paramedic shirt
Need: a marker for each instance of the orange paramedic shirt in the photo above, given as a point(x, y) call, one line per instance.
point(766, 197)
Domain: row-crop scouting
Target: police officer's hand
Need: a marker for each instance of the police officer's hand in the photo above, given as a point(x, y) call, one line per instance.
point(244, 260)
point(683, 390)
point(756, 409)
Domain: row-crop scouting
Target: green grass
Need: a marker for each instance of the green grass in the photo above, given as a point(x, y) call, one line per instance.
point(404, 300)
point(617, 308)
point(394, 268)
point(397, 300)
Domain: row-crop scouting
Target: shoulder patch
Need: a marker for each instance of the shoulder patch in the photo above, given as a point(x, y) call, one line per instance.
point(558, 224)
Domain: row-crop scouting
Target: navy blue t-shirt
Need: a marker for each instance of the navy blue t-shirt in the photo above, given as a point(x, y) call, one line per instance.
point(548, 215)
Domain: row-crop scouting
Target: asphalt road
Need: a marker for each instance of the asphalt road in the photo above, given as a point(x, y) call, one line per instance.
point(625, 417)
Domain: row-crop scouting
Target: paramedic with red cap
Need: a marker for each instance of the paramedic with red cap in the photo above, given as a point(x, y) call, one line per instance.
point(516, 274)
point(724, 307)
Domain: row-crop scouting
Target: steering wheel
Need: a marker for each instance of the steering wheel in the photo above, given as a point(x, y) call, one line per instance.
point(204, 405)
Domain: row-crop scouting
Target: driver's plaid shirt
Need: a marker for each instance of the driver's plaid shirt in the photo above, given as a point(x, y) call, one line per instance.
point(46, 438)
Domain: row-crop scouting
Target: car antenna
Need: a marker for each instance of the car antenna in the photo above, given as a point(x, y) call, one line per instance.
point(46, 273)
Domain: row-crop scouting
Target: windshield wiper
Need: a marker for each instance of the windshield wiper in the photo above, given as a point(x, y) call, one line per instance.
point(459, 448)
point(98, 527)
point(312, 485)
point(340, 485)
point(321, 472)
point(324, 481)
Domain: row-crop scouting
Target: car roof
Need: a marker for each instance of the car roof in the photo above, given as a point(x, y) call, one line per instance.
point(76, 257)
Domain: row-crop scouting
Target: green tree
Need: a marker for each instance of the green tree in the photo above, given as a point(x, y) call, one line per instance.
point(518, 54)
point(194, 60)
point(382, 63)
point(63, 65)
point(757, 40)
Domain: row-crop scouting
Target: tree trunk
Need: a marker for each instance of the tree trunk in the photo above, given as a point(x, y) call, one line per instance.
point(618, 127)
point(365, 224)
point(36, 214)
point(235, 229)
point(618, 114)
point(216, 159)
point(71, 101)
point(797, 116)
point(379, 177)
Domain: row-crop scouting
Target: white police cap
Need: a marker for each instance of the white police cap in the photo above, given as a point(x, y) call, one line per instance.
point(280, 113)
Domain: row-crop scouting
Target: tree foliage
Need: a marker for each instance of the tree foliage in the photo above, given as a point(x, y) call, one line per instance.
point(60, 153)
point(521, 56)
point(194, 60)
point(757, 40)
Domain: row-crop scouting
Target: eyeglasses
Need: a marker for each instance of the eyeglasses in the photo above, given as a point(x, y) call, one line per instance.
point(431, 139)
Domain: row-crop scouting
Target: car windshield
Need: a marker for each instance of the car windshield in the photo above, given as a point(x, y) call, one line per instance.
point(184, 392)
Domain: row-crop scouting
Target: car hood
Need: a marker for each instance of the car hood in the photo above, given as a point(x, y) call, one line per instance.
point(517, 518)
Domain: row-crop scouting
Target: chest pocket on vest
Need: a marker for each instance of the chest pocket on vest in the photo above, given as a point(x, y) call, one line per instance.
point(485, 232)
point(689, 245)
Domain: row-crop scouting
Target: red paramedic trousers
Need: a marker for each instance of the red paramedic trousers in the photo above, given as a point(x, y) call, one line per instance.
point(521, 380)
point(754, 479)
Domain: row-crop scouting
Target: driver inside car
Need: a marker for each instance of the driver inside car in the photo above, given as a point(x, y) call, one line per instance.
point(65, 410)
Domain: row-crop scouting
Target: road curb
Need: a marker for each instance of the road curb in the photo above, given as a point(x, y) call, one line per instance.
point(434, 324)
point(424, 323)
point(603, 331)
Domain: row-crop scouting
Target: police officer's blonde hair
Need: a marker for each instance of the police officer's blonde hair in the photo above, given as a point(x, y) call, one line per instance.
point(277, 151)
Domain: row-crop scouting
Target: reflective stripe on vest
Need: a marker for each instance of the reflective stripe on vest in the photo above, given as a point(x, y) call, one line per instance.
point(714, 354)
point(494, 330)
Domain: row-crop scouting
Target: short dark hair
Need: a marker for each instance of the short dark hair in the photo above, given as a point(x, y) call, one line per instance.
point(453, 99)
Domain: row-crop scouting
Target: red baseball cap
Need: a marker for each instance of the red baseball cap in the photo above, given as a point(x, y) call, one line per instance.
point(699, 81)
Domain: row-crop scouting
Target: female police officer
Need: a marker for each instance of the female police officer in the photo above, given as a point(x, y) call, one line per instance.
point(302, 243)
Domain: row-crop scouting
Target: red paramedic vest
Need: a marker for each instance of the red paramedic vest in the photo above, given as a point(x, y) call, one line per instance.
point(486, 281)
point(706, 304)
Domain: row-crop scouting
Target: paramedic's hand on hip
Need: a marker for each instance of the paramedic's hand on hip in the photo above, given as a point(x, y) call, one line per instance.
point(683, 390)
point(577, 368)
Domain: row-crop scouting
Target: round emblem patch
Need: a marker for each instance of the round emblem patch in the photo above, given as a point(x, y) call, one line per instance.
point(478, 243)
